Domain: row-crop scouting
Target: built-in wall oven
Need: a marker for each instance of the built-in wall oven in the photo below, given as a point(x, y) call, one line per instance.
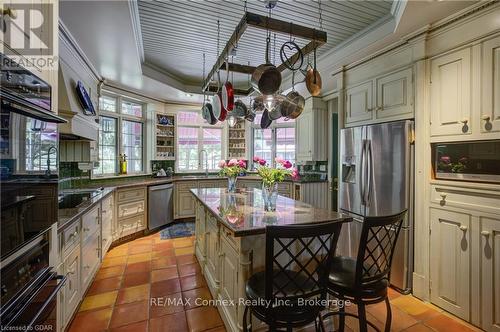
point(29, 196)
point(477, 161)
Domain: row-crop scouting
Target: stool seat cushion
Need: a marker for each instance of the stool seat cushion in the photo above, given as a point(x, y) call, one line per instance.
point(342, 280)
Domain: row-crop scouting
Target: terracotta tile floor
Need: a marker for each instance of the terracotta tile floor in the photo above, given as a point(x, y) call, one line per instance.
point(133, 273)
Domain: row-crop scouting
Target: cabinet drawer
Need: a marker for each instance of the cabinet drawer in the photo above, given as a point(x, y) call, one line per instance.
point(131, 194)
point(130, 209)
point(466, 198)
point(90, 258)
point(90, 223)
point(285, 189)
point(70, 237)
point(131, 225)
point(185, 185)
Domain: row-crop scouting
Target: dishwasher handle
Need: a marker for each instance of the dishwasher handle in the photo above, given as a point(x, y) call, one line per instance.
point(161, 187)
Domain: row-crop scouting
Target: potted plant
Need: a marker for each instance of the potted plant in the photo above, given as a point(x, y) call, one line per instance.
point(271, 176)
point(232, 169)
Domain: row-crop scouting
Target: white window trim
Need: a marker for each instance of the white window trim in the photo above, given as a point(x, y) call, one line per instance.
point(273, 128)
point(119, 148)
point(200, 143)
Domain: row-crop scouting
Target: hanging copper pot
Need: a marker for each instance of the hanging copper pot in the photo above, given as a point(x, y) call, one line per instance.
point(266, 78)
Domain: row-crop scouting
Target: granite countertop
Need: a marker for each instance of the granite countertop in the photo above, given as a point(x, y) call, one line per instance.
point(68, 216)
point(243, 212)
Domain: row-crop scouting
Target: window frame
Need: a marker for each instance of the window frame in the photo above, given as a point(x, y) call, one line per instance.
point(120, 117)
point(272, 127)
point(200, 128)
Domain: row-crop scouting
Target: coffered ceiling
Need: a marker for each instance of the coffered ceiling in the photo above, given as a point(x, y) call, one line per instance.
point(175, 34)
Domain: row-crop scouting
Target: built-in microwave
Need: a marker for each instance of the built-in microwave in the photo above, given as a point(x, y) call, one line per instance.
point(477, 161)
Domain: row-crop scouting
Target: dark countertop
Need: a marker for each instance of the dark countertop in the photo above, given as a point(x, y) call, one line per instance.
point(67, 216)
point(243, 212)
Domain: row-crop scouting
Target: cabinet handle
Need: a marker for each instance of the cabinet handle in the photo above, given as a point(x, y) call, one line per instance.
point(486, 118)
point(443, 196)
point(463, 228)
point(465, 121)
point(74, 234)
point(71, 272)
point(85, 229)
point(485, 233)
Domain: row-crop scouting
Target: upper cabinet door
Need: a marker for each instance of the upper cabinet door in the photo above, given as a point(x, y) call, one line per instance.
point(395, 95)
point(490, 110)
point(451, 94)
point(359, 105)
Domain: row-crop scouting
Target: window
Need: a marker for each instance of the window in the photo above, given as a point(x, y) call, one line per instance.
point(40, 148)
point(121, 131)
point(276, 141)
point(194, 135)
point(107, 146)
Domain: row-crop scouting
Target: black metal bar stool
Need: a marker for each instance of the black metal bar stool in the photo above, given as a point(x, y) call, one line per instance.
point(292, 289)
point(365, 280)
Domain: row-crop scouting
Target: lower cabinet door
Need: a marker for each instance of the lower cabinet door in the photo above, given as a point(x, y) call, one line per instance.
point(212, 253)
point(490, 274)
point(71, 291)
point(90, 259)
point(450, 261)
point(229, 281)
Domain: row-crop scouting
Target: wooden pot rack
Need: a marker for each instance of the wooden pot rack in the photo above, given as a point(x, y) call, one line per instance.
point(316, 39)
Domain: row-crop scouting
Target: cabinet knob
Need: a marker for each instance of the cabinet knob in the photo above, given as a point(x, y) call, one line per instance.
point(465, 121)
point(463, 228)
point(71, 272)
point(486, 118)
point(86, 267)
point(485, 233)
point(443, 196)
point(85, 229)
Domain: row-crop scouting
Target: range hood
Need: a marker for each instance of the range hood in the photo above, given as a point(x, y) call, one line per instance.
point(79, 125)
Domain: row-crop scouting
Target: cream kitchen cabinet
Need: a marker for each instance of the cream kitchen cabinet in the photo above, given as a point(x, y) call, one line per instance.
point(183, 199)
point(131, 212)
point(229, 288)
point(451, 85)
point(450, 261)
point(311, 130)
point(107, 216)
point(212, 253)
point(490, 272)
point(71, 291)
point(490, 72)
point(394, 95)
point(359, 103)
point(386, 97)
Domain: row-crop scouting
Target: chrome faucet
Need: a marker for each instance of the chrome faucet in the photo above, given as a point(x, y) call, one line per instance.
point(47, 172)
point(206, 160)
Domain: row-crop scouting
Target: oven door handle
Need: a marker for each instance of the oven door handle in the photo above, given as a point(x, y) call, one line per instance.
point(49, 299)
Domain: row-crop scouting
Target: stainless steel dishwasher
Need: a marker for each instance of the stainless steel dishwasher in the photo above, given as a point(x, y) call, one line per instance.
point(160, 205)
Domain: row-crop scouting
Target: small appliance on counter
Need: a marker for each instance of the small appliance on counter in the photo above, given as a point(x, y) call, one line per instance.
point(477, 161)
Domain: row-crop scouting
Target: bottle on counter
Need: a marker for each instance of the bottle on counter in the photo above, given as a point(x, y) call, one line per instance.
point(123, 163)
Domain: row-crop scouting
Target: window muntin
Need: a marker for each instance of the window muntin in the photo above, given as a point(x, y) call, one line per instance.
point(132, 145)
point(39, 140)
point(131, 108)
point(107, 103)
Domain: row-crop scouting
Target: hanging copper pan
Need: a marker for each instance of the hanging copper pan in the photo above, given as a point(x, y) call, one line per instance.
point(313, 79)
point(266, 78)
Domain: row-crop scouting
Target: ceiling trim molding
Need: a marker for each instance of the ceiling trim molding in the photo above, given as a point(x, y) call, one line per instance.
point(157, 73)
point(136, 27)
point(397, 10)
point(67, 38)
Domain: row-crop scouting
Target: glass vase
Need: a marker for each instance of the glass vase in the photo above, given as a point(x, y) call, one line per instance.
point(231, 184)
point(269, 195)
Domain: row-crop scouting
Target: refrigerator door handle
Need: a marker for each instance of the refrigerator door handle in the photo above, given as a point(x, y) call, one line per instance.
point(362, 173)
point(369, 172)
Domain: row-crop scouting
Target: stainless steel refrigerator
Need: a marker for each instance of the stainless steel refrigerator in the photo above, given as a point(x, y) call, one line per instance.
point(377, 168)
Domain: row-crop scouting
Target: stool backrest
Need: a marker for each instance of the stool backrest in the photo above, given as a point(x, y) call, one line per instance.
point(376, 248)
point(307, 250)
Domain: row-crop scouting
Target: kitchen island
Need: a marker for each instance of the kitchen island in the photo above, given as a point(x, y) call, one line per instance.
point(230, 240)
